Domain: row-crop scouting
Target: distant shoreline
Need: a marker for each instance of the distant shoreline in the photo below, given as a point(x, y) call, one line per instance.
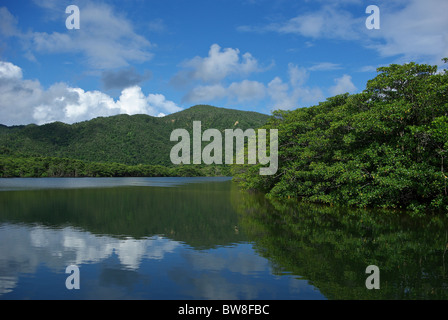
point(51, 167)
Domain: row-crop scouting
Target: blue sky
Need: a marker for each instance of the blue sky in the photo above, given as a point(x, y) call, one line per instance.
point(162, 56)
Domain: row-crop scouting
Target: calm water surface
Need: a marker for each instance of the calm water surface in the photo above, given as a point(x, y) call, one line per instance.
point(202, 238)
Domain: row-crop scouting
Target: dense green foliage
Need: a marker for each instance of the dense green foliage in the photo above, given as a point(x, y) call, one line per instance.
point(116, 146)
point(384, 147)
point(130, 140)
point(43, 167)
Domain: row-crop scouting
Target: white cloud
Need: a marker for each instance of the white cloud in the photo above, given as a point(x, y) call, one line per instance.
point(133, 101)
point(284, 95)
point(205, 93)
point(8, 23)
point(209, 77)
point(343, 84)
point(105, 39)
point(329, 23)
point(410, 29)
point(159, 102)
point(295, 93)
point(417, 31)
point(368, 69)
point(219, 64)
point(325, 66)
point(278, 91)
point(247, 90)
point(8, 71)
point(25, 101)
point(297, 76)
point(243, 91)
point(17, 95)
point(50, 4)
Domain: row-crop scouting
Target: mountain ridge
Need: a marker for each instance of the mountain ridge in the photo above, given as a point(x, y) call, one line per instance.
point(126, 139)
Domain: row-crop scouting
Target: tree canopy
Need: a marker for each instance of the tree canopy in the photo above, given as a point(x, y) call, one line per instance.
point(129, 140)
point(384, 147)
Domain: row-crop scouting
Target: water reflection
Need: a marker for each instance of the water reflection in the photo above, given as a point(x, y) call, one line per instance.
point(134, 242)
point(199, 214)
point(150, 268)
point(209, 240)
point(333, 246)
point(24, 248)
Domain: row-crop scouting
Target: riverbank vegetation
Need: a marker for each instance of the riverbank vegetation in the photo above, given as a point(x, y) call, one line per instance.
point(384, 147)
point(43, 167)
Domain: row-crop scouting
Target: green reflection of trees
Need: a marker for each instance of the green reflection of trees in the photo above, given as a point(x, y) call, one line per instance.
point(331, 247)
point(198, 214)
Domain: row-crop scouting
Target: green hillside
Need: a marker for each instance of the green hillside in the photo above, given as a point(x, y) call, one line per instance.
point(124, 139)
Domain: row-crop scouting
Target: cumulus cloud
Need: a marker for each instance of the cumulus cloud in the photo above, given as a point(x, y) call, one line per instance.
point(26, 101)
point(284, 95)
point(343, 84)
point(209, 77)
point(205, 93)
point(247, 90)
point(159, 102)
point(281, 95)
point(16, 95)
point(278, 91)
point(219, 64)
point(297, 76)
point(8, 71)
point(243, 91)
point(295, 93)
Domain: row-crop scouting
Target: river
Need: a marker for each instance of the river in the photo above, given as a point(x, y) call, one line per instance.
point(203, 238)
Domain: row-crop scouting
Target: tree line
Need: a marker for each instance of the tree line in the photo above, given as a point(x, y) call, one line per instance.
point(42, 167)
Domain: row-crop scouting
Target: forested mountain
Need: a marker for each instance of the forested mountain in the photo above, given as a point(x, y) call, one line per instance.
point(124, 139)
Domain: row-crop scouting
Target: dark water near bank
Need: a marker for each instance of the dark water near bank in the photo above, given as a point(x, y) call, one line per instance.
point(203, 238)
